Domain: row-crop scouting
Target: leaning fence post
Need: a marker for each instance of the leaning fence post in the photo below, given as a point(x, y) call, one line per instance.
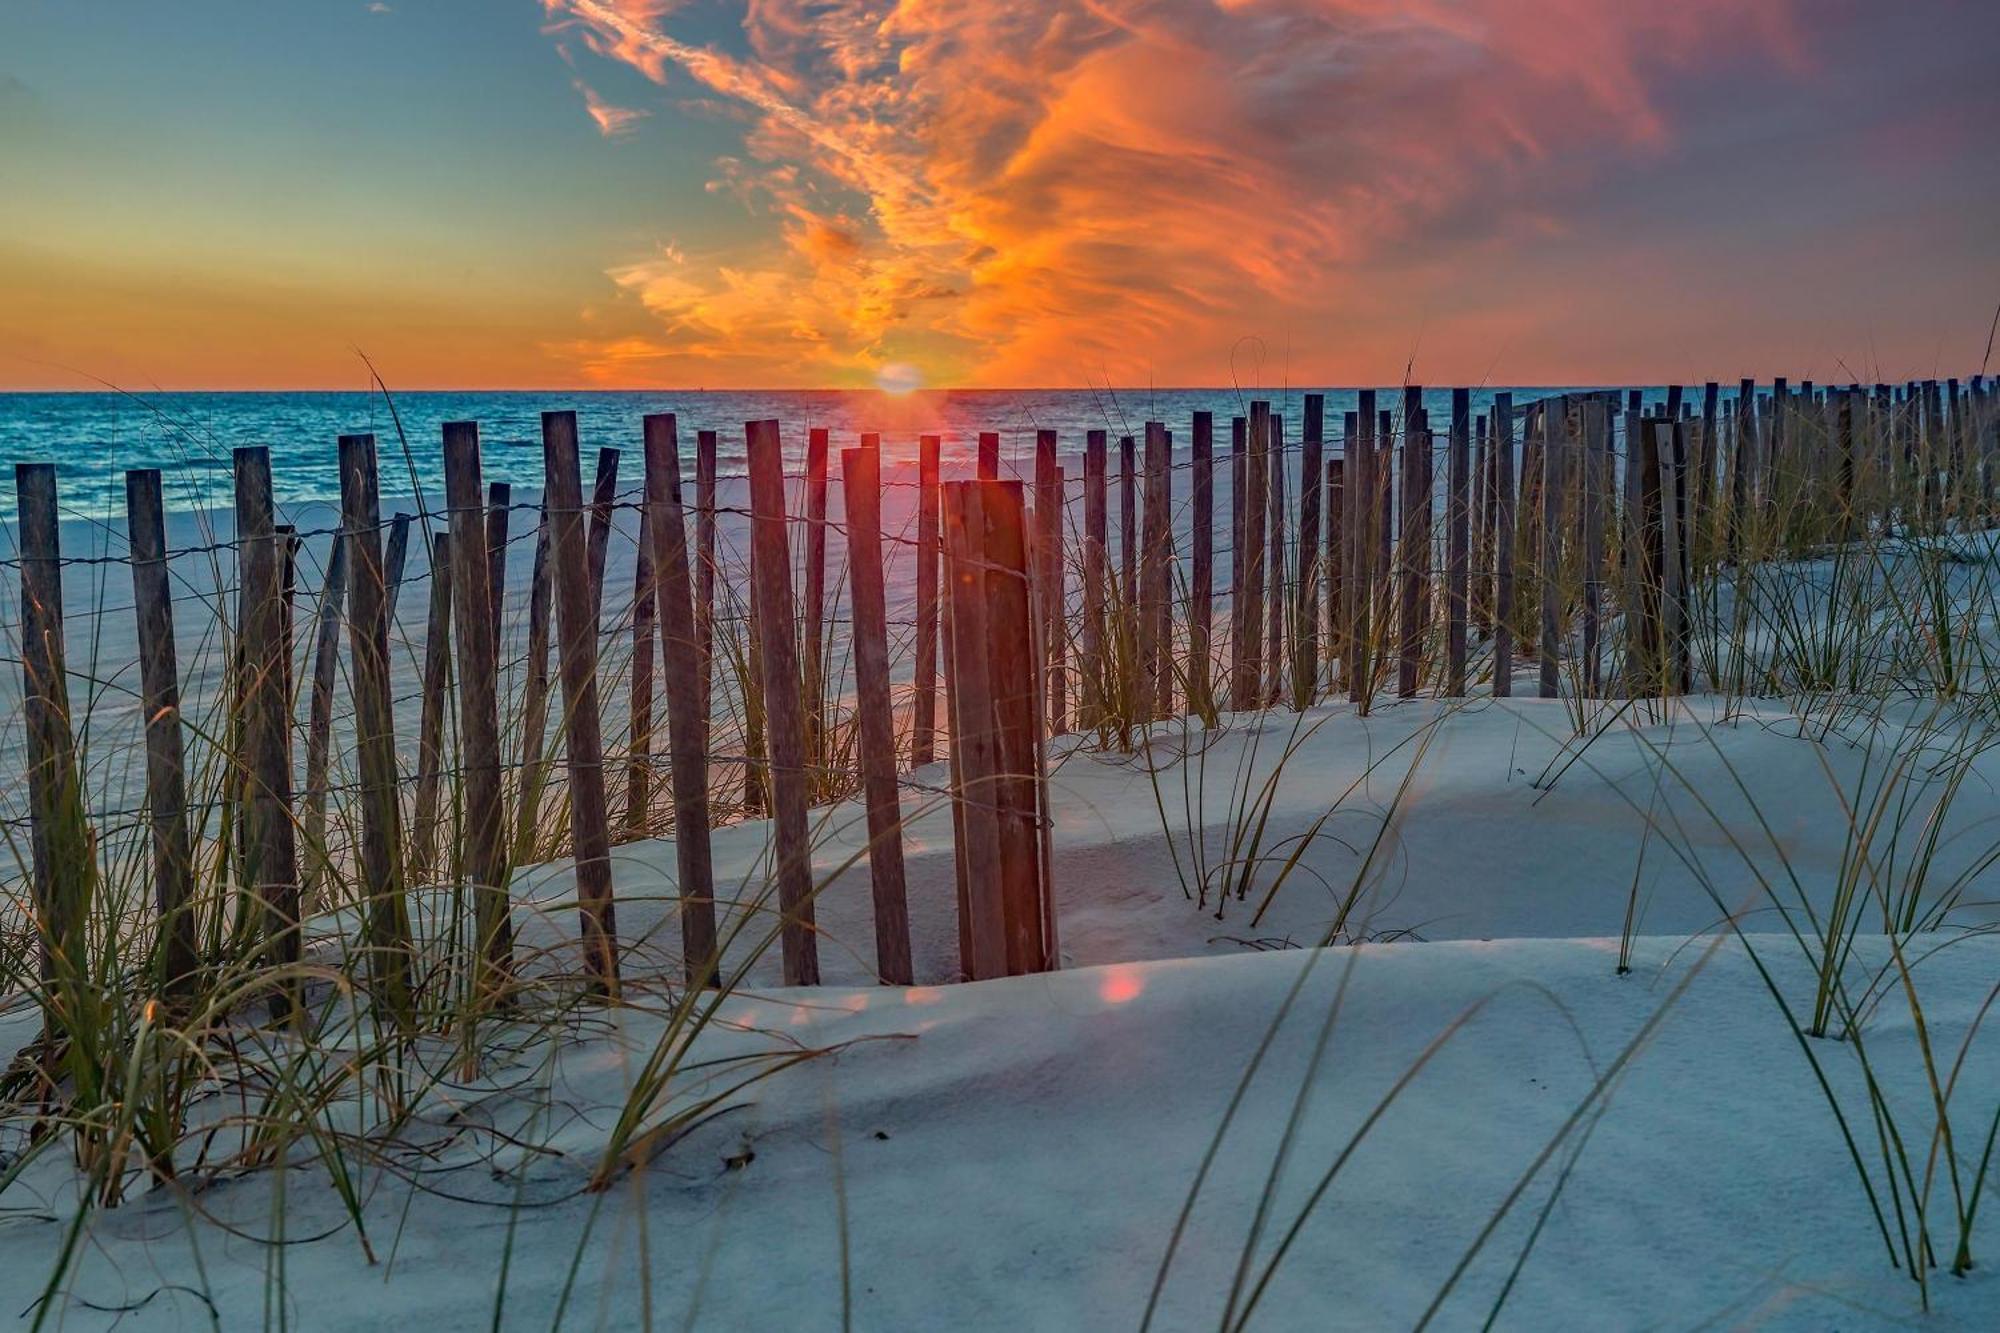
point(472, 601)
point(1128, 524)
point(430, 721)
point(771, 574)
point(923, 723)
point(1277, 606)
point(687, 720)
point(270, 845)
point(590, 831)
point(319, 724)
point(989, 455)
point(386, 910)
point(861, 476)
point(160, 699)
point(603, 495)
point(639, 746)
point(812, 596)
point(499, 514)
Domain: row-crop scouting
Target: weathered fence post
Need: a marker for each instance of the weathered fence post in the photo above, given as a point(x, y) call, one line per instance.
point(1239, 605)
point(704, 570)
point(1201, 587)
point(473, 599)
point(319, 724)
point(271, 849)
point(386, 908)
point(1249, 560)
point(1596, 481)
point(1503, 545)
point(1457, 539)
point(861, 475)
point(175, 957)
point(1277, 602)
point(1360, 523)
point(989, 455)
point(812, 632)
point(687, 717)
point(576, 626)
point(1005, 907)
point(1335, 560)
point(771, 573)
point(923, 723)
point(1413, 553)
point(1128, 527)
point(639, 746)
point(499, 513)
point(603, 495)
point(1555, 485)
point(1305, 631)
point(430, 721)
point(1049, 575)
point(1096, 536)
point(1155, 684)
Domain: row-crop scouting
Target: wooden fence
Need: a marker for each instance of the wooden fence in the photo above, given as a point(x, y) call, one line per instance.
point(1565, 530)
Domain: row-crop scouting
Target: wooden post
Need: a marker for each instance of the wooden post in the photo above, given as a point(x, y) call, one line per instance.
point(989, 455)
point(430, 721)
point(1413, 553)
point(1012, 678)
point(396, 558)
point(271, 849)
point(1277, 603)
point(1555, 483)
point(1334, 561)
point(1457, 539)
point(1155, 662)
point(771, 573)
point(473, 598)
point(1201, 589)
point(499, 511)
point(1305, 629)
point(687, 717)
point(1128, 525)
point(1481, 594)
point(1360, 522)
point(534, 697)
point(812, 634)
point(1096, 535)
point(1250, 581)
point(639, 748)
point(1596, 476)
point(923, 725)
point(1049, 573)
point(603, 495)
point(973, 737)
point(1239, 604)
point(861, 474)
point(576, 650)
point(319, 716)
point(385, 905)
point(1503, 545)
point(704, 571)
point(175, 956)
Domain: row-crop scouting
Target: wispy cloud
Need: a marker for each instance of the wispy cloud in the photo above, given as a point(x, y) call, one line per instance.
point(612, 121)
point(1036, 191)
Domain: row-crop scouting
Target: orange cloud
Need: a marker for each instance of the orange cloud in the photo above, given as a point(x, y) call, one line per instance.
point(612, 121)
point(1049, 191)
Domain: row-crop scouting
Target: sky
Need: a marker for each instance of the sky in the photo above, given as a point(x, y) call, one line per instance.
point(1049, 193)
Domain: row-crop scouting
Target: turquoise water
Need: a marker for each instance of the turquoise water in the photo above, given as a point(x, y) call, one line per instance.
point(95, 437)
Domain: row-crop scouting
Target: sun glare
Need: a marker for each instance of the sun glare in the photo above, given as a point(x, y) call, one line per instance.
point(899, 377)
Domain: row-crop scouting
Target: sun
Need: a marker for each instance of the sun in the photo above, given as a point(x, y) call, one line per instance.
point(899, 377)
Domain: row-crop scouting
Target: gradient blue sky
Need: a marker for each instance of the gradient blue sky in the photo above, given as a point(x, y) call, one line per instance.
point(645, 192)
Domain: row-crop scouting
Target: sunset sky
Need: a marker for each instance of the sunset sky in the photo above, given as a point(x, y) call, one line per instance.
point(688, 193)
